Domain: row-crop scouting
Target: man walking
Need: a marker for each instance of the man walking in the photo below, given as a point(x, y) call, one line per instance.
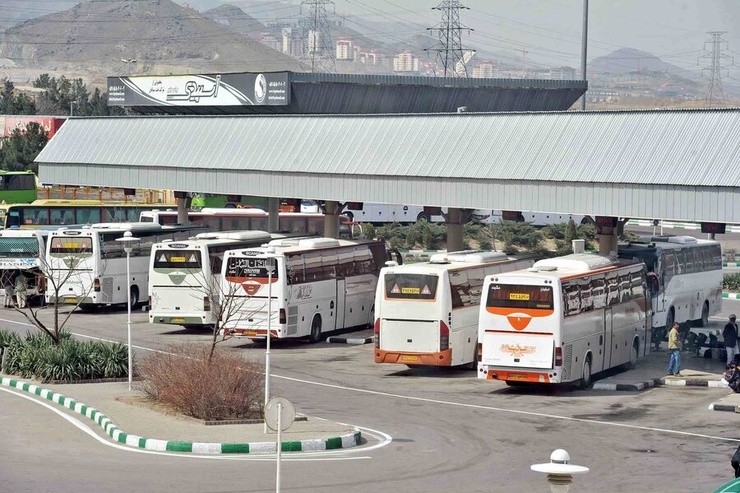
point(730, 335)
point(674, 347)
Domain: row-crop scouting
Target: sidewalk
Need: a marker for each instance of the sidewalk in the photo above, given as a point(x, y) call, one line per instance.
point(696, 371)
point(124, 416)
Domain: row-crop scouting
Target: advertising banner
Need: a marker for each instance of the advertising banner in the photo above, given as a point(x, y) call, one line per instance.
point(242, 89)
point(50, 124)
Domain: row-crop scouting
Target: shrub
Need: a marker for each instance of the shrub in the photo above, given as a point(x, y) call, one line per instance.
point(38, 357)
point(732, 282)
point(184, 380)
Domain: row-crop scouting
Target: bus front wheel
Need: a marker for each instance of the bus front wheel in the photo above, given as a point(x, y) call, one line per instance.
point(633, 356)
point(704, 320)
point(315, 335)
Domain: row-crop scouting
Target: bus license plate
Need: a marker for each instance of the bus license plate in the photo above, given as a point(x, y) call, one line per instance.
point(70, 300)
point(408, 358)
point(517, 376)
point(250, 333)
point(178, 320)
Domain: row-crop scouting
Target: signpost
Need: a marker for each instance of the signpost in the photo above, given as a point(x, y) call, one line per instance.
point(279, 416)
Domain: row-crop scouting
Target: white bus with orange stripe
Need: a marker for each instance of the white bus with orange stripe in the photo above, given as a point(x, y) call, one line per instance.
point(318, 285)
point(426, 314)
point(563, 320)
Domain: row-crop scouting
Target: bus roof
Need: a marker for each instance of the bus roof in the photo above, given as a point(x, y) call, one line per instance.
point(115, 227)
point(468, 257)
point(234, 235)
point(669, 241)
point(293, 245)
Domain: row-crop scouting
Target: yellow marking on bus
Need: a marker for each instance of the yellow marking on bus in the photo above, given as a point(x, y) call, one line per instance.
point(519, 296)
point(177, 259)
point(410, 290)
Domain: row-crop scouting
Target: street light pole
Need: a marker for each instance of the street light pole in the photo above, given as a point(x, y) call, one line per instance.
point(128, 62)
point(128, 240)
point(269, 266)
point(71, 107)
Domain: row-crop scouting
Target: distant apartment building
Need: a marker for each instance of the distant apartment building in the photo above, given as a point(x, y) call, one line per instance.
point(485, 70)
point(292, 44)
point(563, 73)
point(368, 57)
point(269, 40)
point(345, 49)
point(405, 62)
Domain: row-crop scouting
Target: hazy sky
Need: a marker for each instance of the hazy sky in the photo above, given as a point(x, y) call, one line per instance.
point(550, 30)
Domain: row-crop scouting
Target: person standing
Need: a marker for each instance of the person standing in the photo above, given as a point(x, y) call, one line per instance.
point(674, 347)
point(730, 335)
point(20, 291)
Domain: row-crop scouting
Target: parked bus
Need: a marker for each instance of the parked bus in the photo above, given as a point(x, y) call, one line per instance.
point(87, 265)
point(385, 213)
point(21, 257)
point(184, 276)
point(684, 276)
point(231, 219)
point(58, 212)
point(18, 187)
point(563, 320)
point(318, 285)
point(427, 313)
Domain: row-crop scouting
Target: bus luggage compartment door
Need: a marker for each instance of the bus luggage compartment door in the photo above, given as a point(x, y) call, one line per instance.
point(518, 350)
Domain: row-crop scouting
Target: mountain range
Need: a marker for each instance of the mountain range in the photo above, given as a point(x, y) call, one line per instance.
point(99, 38)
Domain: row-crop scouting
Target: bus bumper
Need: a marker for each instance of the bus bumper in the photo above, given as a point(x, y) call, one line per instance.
point(441, 358)
point(516, 376)
point(176, 320)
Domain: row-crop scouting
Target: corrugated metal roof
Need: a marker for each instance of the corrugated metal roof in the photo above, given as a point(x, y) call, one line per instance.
point(688, 147)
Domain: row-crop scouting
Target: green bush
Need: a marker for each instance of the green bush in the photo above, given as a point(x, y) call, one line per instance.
point(36, 356)
point(732, 282)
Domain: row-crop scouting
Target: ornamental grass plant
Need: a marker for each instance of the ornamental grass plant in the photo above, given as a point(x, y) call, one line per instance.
point(184, 379)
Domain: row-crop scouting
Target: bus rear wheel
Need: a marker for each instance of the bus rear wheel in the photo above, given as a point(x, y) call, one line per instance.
point(633, 356)
point(134, 297)
point(315, 335)
point(586, 380)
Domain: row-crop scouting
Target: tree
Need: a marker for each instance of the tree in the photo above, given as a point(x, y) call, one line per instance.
point(19, 151)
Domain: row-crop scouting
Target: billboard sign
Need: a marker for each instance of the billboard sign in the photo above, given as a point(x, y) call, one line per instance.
point(49, 124)
point(242, 89)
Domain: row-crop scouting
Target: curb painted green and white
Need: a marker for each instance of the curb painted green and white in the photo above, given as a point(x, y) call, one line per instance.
point(730, 296)
point(311, 445)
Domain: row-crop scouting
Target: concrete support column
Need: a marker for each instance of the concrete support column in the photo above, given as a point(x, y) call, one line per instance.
point(182, 210)
point(332, 210)
point(454, 229)
point(273, 218)
point(608, 238)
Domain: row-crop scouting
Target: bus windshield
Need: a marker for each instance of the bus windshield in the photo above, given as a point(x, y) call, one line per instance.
point(177, 259)
point(62, 245)
point(519, 296)
point(19, 247)
point(411, 286)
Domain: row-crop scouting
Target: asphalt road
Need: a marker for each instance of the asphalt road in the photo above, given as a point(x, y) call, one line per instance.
point(450, 431)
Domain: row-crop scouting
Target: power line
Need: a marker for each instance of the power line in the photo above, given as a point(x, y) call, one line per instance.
point(318, 36)
point(449, 48)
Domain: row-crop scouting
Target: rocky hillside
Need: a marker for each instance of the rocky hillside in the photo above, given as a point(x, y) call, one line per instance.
point(91, 39)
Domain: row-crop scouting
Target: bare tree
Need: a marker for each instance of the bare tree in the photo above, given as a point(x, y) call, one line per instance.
point(44, 283)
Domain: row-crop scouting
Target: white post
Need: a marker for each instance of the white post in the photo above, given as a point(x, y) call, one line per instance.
point(269, 266)
point(128, 240)
point(279, 443)
point(128, 318)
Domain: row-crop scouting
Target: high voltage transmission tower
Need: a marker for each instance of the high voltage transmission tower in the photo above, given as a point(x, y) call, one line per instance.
point(317, 36)
point(449, 48)
point(715, 93)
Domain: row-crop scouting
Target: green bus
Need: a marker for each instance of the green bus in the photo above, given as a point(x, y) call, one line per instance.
point(18, 187)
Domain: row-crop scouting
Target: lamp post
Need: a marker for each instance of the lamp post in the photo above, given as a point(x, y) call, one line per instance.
point(559, 471)
point(71, 107)
point(270, 266)
point(128, 62)
point(128, 241)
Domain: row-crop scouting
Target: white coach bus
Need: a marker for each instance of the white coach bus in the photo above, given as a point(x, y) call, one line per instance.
point(87, 266)
point(563, 320)
point(426, 314)
point(684, 276)
point(318, 285)
point(184, 276)
point(22, 254)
